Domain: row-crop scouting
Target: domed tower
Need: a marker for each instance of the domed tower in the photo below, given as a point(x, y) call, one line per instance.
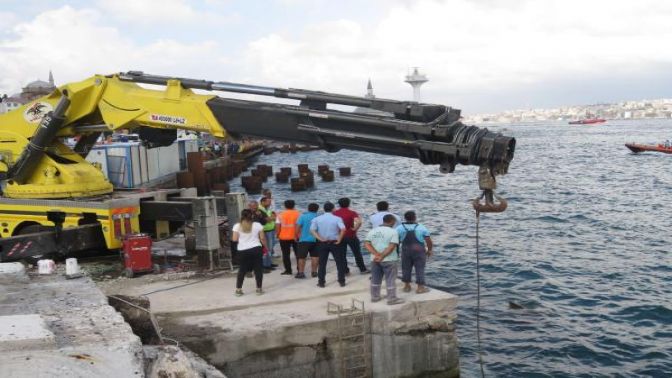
point(38, 88)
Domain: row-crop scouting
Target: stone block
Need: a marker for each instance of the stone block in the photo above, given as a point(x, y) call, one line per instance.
point(27, 331)
point(12, 272)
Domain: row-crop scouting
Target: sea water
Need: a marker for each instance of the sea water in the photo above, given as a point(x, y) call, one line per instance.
point(576, 274)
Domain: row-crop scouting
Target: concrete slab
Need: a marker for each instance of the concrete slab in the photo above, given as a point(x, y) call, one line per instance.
point(12, 272)
point(12, 268)
point(24, 331)
point(83, 335)
point(289, 330)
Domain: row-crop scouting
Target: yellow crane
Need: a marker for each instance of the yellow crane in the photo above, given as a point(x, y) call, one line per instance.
point(46, 184)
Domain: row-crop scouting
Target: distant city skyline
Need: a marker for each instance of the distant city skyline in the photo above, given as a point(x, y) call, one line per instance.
point(484, 57)
point(634, 109)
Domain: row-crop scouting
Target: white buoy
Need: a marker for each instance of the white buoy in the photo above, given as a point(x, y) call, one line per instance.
point(46, 266)
point(71, 267)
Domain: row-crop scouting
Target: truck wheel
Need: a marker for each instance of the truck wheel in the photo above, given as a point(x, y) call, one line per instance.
point(128, 272)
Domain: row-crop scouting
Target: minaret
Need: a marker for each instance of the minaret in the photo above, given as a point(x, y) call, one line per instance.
point(51, 79)
point(369, 90)
point(416, 79)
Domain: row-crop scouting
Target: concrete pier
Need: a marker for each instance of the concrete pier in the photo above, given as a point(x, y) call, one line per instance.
point(54, 327)
point(287, 332)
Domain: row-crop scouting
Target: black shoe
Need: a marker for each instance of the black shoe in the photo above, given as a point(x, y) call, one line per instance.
point(347, 274)
point(313, 274)
point(286, 273)
point(274, 265)
point(320, 285)
point(300, 275)
point(342, 284)
point(266, 270)
point(365, 271)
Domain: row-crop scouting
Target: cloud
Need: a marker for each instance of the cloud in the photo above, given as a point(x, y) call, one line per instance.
point(75, 44)
point(7, 21)
point(468, 47)
point(164, 12)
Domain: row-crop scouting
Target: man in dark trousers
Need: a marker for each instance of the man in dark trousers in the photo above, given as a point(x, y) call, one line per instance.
point(329, 229)
point(416, 248)
point(352, 221)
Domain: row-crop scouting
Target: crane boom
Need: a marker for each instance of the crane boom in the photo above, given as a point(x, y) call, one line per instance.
point(36, 164)
point(431, 133)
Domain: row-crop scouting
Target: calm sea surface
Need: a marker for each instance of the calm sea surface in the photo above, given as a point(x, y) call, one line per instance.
point(585, 246)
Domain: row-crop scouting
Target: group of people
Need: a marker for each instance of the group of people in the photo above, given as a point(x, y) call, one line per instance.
point(389, 241)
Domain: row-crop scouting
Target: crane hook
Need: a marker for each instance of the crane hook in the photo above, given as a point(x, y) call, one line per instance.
point(489, 205)
point(487, 183)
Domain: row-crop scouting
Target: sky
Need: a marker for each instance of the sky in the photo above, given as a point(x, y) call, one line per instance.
point(479, 55)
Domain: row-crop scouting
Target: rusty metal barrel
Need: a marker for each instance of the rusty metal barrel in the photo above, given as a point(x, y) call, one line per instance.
point(322, 168)
point(259, 173)
point(344, 171)
point(303, 168)
point(298, 185)
point(281, 177)
point(253, 184)
point(308, 178)
point(328, 176)
point(185, 179)
point(286, 171)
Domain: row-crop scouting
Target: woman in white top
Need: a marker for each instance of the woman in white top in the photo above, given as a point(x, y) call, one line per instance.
point(251, 238)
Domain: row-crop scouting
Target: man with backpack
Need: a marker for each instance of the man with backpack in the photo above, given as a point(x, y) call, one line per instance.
point(416, 247)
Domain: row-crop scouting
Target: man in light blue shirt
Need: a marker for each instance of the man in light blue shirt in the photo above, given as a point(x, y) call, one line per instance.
point(382, 243)
point(383, 209)
point(329, 229)
point(416, 247)
point(307, 242)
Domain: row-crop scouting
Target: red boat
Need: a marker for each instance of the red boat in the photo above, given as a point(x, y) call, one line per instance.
point(588, 121)
point(637, 148)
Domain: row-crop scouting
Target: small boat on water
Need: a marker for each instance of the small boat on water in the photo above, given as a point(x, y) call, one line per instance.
point(660, 147)
point(588, 121)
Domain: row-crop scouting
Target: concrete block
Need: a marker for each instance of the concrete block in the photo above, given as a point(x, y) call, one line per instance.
point(69, 331)
point(189, 192)
point(171, 361)
point(12, 272)
point(24, 331)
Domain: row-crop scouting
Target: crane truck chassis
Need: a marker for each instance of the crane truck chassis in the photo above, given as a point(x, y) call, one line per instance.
point(53, 200)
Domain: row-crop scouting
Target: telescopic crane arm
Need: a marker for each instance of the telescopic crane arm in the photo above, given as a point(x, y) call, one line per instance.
point(37, 165)
point(431, 133)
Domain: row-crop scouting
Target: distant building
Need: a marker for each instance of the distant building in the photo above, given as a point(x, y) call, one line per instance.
point(369, 94)
point(30, 92)
point(8, 103)
point(38, 88)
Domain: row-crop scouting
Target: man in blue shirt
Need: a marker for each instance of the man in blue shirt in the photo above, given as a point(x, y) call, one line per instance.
point(307, 242)
point(416, 247)
point(329, 230)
